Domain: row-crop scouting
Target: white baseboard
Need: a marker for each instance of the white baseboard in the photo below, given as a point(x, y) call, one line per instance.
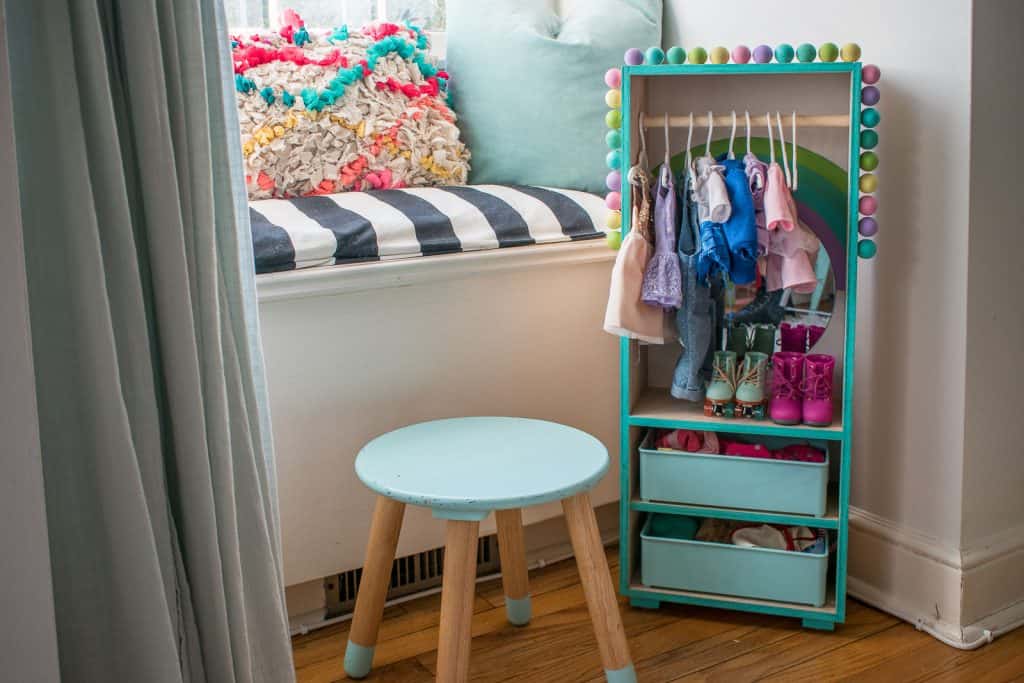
point(963, 598)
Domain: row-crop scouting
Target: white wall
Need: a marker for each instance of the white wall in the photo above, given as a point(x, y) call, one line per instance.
point(28, 638)
point(993, 487)
point(509, 332)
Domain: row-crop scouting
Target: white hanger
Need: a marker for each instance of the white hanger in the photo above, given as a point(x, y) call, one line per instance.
point(711, 129)
point(746, 114)
point(642, 160)
point(794, 152)
point(689, 143)
point(771, 142)
point(732, 135)
point(666, 167)
point(785, 157)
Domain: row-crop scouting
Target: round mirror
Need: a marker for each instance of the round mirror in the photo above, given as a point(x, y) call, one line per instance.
point(796, 295)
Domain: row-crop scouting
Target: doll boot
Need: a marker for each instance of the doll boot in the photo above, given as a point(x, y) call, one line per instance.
point(737, 340)
point(763, 339)
point(817, 389)
point(794, 338)
point(718, 400)
point(814, 333)
point(785, 406)
point(765, 308)
point(750, 389)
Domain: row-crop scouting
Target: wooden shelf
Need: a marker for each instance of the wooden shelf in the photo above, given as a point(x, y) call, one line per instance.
point(829, 609)
point(655, 407)
point(829, 521)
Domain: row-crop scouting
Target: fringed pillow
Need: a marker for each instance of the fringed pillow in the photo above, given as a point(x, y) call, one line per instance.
point(343, 110)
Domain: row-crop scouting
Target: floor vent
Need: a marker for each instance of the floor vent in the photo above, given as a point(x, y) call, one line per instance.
point(409, 574)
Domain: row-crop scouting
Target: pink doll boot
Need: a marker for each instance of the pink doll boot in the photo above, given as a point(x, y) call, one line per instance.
point(817, 386)
point(793, 337)
point(814, 333)
point(787, 377)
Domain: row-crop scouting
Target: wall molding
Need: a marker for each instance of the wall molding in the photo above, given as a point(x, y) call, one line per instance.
point(964, 598)
point(328, 280)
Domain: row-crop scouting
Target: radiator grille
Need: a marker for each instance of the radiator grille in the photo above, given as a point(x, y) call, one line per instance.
point(409, 574)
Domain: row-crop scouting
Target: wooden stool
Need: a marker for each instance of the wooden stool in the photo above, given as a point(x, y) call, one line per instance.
point(462, 469)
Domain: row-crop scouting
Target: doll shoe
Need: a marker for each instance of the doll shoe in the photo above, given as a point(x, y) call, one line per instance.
point(785, 406)
point(817, 389)
point(721, 393)
point(750, 386)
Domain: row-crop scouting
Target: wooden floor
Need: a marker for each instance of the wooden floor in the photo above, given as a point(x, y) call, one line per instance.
point(675, 643)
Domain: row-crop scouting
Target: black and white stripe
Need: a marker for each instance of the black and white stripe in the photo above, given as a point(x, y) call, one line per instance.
point(366, 226)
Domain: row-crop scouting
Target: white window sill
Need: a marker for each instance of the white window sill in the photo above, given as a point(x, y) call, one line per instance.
point(329, 280)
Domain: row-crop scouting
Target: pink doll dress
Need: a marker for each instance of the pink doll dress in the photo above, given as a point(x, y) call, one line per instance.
point(792, 247)
point(627, 315)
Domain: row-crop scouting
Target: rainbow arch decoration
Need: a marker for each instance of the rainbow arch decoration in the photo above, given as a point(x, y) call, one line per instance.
point(821, 198)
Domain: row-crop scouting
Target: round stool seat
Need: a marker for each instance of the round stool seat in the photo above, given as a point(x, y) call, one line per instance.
point(463, 468)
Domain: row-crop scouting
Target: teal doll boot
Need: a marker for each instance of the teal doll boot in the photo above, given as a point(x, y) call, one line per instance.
point(721, 393)
point(750, 385)
point(763, 339)
point(737, 340)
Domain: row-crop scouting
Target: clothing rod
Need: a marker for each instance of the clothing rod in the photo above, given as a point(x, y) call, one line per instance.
point(756, 120)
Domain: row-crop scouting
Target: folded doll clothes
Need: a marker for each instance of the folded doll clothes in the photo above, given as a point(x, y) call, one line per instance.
point(792, 247)
point(713, 208)
point(747, 535)
point(740, 228)
point(626, 315)
point(689, 440)
point(662, 280)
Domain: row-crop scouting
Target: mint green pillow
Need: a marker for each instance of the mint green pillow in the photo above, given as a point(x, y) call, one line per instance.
point(528, 84)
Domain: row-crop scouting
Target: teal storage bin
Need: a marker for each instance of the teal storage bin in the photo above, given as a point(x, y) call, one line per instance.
point(723, 569)
point(734, 482)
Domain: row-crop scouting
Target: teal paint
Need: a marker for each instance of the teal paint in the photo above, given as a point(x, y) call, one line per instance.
point(650, 598)
point(624, 675)
point(358, 660)
point(518, 610)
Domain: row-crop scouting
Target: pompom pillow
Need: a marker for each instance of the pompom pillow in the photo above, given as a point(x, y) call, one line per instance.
point(343, 110)
point(530, 83)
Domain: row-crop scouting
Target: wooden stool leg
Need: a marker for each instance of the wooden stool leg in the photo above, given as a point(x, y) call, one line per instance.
point(514, 574)
point(373, 589)
point(598, 589)
point(457, 594)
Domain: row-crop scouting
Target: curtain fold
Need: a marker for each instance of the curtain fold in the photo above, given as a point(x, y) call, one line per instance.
point(153, 413)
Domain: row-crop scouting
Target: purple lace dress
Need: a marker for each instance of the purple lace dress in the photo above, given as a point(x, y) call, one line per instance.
point(663, 283)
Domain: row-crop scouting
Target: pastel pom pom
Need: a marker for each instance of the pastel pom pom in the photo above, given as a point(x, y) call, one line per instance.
point(698, 55)
point(613, 220)
point(869, 161)
point(614, 139)
point(613, 78)
point(868, 183)
point(613, 181)
point(613, 239)
point(633, 56)
point(741, 54)
point(719, 55)
point(654, 56)
point(870, 117)
point(613, 201)
point(806, 53)
point(850, 52)
point(828, 52)
point(675, 55)
point(784, 53)
point(762, 54)
point(867, 205)
point(868, 139)
point(866, 249)
point(614, 159)
point(613, 119)
point(867, 227)
point(870, 95)
point(613, 98)
point(870, 74)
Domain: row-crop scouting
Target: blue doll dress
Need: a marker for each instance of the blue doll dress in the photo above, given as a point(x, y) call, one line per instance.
point(741, 228)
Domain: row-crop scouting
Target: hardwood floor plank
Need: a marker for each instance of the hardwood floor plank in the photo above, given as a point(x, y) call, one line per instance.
point(674, 643)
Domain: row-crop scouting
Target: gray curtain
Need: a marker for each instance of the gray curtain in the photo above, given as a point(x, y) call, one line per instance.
point(155, 437)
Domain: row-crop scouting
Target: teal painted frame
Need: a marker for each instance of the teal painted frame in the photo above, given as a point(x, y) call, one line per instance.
point(651, 598)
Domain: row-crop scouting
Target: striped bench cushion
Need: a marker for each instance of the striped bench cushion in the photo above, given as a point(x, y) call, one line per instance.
point(387, 224)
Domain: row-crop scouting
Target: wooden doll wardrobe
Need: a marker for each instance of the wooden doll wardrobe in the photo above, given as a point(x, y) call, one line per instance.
point(831, 100)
